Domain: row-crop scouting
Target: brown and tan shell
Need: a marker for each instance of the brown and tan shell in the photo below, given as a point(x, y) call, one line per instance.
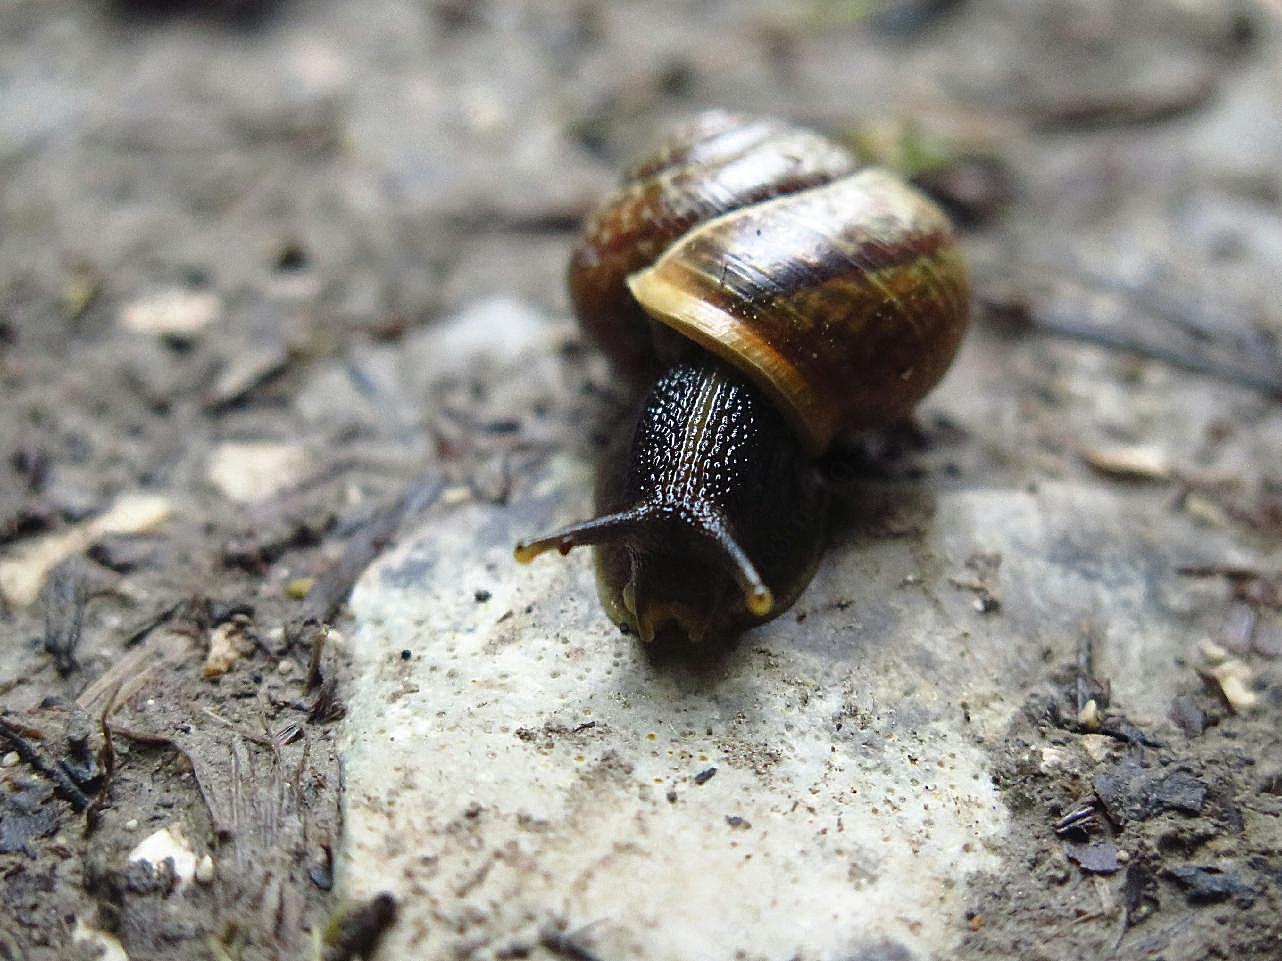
point(843, 295)
point(713, 165)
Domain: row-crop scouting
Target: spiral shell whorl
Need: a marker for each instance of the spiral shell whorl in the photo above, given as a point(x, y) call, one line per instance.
point(846, 302)
point(714, 165)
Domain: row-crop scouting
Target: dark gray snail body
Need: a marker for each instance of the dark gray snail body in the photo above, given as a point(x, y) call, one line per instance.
point(780, 299)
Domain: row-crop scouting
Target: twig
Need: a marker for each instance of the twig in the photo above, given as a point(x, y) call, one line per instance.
point(54, 771)
point(1083, 112)
point(567, 944)
point(1181, 333)
point(1169, 341)
point(108, 762)
point(333, 586)
point(247, 734)
point(65, 596)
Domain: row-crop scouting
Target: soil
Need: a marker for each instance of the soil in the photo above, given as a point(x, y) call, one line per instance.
point(219, 219)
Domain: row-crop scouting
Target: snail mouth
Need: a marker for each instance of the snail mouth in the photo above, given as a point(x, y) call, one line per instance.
point(674, 597)
point(654, 616)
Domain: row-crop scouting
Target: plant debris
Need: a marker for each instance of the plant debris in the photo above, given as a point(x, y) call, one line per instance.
point(1207, 884)
point(1132, 792)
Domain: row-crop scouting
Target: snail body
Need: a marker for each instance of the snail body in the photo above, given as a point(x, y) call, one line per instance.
point(783, 299)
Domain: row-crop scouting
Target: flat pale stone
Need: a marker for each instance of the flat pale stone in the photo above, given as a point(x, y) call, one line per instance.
point(516, 771)
point(528, 774)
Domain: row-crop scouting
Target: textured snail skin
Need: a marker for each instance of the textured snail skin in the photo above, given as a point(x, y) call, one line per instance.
point(789, 300)
point(706, 447)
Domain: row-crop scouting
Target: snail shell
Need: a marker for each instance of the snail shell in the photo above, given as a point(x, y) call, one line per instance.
point(843, 295)
point(787, 298)
point(715, 164)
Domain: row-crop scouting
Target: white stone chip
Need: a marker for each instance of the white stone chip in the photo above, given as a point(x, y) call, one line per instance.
point(168, 842)
point(177, 312)
point(108, 945)
point(251, 472)
point(205, 871)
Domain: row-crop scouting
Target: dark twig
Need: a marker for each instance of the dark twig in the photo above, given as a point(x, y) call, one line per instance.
point(1127, 734)
point(108, 764)
point(315, 676)
point(1169, 341)
point(333, 586)
point(1081, 112)
point(1183, 331)
point(327, 707)
point(138, 632)
point(567, 944)
point(65, 596)
point(54, 771)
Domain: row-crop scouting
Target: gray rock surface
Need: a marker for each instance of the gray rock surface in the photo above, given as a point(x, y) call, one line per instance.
point(518, 772)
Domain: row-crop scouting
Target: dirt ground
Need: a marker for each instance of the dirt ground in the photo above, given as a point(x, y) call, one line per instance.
point(216, 217)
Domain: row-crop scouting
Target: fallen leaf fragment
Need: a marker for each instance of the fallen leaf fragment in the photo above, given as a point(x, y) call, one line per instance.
point(228, 643)
point(23, 573)
point(1099, 857)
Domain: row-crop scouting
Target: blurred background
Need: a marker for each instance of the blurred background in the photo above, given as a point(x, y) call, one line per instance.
point(314, 175)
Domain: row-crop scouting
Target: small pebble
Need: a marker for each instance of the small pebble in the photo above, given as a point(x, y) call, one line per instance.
point(986, 603)
point(1234, 678)
point(131, 824)
point(1212, 653)
point(205, 870)
point(285, 667)
point(297, 587)
point(456, 495)
point(10, 759)
point(1088, 716)
point(254, 472)
point(1130, 463)
point(175, 312)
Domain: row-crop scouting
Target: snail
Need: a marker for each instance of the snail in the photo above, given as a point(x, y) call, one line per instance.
point(784, 298)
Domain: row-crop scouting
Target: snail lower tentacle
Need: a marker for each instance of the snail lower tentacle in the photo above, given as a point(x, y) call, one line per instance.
point(710, 515)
